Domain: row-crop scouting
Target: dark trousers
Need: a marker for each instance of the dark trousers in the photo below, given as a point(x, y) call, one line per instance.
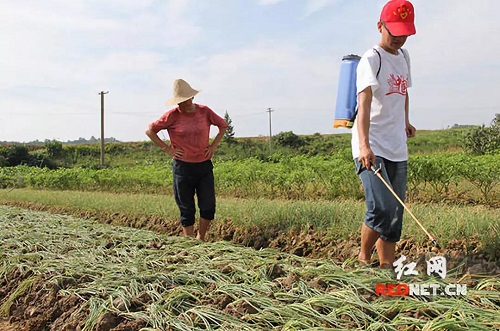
point(192, 179)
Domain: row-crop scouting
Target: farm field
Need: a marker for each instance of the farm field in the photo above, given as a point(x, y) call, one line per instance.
point(319, 229)
point(61, 272)
point(91, 247)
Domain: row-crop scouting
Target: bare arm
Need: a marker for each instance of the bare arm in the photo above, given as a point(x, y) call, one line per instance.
point(160, 143)
point(209, 151)
point(410, 129)
point(366, 156)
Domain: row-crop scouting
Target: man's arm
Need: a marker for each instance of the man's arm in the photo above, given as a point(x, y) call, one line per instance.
point(366, 156)
point(410, 129)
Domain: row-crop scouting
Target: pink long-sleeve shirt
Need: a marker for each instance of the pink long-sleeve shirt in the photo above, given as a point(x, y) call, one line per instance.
point(189, 131)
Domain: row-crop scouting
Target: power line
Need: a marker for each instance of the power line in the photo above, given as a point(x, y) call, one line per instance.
point(249, 114)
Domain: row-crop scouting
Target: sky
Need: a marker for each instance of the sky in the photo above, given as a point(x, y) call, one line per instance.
point(245, 56)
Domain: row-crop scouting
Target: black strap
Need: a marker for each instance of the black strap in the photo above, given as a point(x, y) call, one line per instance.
point(378, 71)
point(380, 60)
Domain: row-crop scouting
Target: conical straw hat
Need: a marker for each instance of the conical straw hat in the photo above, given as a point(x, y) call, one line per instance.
point(182, 91)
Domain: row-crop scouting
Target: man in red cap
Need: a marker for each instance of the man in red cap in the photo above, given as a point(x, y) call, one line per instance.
point(380, 131)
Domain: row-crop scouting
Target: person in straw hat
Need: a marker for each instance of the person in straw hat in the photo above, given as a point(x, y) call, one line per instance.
point(188, 126)
point(381, 129)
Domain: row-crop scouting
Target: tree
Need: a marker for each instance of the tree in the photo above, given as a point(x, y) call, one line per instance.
point(484, 140)
point(229, 134)
point(54, 149)
point(16, 155)
point(289, 139)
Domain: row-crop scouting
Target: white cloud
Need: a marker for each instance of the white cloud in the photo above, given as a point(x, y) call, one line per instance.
point(314, 6)
point(247, 81)
point(71, 45)
point(269, 2)
point(455, 35)
point(311, 6)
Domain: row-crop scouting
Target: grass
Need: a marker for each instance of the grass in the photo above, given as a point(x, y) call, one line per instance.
point(336, 219)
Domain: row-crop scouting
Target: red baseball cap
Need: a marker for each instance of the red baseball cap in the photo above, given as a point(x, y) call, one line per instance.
point(399, 17)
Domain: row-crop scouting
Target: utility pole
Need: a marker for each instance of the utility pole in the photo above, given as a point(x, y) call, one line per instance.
point(102, 126)
point(270, 110)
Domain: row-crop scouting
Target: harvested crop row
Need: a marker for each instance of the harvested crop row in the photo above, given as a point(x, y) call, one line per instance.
point(61, 272)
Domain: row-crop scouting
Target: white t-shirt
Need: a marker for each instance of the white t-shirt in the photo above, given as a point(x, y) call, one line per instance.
point(387, 133)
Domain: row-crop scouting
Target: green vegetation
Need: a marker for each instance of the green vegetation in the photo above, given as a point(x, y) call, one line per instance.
point(477, 140)
point(229, 134)
point(307, 182)
point(285, 144)
point(484, 140)
point(453, 177)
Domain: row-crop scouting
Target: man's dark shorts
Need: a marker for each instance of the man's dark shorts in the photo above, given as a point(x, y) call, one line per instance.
point(384, 213)
point(190, 179)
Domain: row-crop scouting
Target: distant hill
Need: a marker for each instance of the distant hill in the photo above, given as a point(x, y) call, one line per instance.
point(79, 141)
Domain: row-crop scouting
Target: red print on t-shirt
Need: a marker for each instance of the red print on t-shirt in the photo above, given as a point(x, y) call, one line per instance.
point(397, 84)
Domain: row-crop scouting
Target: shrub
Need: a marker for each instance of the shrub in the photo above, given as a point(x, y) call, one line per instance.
point(289, 139)
point(16, 155)
point(484, 140)
point(54, 149)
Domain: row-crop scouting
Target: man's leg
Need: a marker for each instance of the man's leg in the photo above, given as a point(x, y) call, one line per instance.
point(386, 253)
point(396, 175)
point(379, 212)
point(368, 239)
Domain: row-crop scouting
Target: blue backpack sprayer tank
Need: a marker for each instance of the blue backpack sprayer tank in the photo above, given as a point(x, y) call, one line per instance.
point(345, 111)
